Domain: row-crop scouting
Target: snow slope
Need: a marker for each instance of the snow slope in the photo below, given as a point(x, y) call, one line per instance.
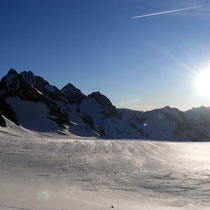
point(42, 171)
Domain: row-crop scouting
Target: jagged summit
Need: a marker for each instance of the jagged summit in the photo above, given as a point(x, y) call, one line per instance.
point(73, 94)
point(13, 84)
point(41, 84)
point(12, 71)
point(33, 80)
point(14, 87)
point(109, 110)
point(68, 93)
point(101, 99)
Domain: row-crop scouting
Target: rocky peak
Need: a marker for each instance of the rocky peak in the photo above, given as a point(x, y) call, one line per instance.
point(73, 94)
point(10, 82)
point(40, 84)
point(70, 89)
point(109, 109)
point(101, 99)
point(15, 85)
point(33, 80)
point(12, 72)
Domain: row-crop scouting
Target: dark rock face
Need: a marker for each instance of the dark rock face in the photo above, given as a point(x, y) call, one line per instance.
point(72, 94)
point(88, 121)
point(101, 99)
point(8, 112)
point(40, 84)
point(2, 122)
point(109, 109)
point(13, 85)
point(69, 92)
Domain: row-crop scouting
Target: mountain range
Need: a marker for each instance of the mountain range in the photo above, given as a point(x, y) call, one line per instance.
point(31, 102)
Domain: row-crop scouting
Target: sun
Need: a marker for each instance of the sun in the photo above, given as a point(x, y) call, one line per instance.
point(203, 83)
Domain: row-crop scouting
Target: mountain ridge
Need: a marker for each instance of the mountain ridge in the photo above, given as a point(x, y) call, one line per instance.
point(32, 102)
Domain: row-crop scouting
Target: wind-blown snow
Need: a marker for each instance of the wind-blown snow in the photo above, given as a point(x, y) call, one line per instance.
point(41, 171)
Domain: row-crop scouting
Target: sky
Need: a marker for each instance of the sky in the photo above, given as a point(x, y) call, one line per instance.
point(138, 63)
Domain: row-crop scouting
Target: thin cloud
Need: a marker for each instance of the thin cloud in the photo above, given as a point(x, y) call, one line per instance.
point(165, 12)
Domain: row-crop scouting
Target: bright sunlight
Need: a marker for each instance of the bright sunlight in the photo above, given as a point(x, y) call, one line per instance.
point(203, 82)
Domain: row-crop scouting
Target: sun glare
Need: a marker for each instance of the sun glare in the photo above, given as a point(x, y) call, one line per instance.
point(203, 83)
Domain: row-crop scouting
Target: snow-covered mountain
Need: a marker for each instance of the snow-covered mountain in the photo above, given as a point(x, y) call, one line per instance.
point(31, 102)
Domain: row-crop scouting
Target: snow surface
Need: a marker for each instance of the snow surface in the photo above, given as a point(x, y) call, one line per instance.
point(45, 171)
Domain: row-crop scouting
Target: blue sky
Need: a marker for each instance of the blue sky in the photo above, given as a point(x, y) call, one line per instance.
point(94, 44)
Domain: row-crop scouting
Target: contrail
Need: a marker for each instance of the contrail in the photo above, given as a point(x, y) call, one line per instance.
point(165, 12)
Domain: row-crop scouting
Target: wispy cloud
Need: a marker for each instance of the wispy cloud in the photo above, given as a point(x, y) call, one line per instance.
point(166, 12)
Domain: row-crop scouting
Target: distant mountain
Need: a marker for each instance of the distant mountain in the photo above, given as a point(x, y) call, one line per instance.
point(31, 102)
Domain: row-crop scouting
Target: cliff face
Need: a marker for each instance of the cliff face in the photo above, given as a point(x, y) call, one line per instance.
point(2, 121)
